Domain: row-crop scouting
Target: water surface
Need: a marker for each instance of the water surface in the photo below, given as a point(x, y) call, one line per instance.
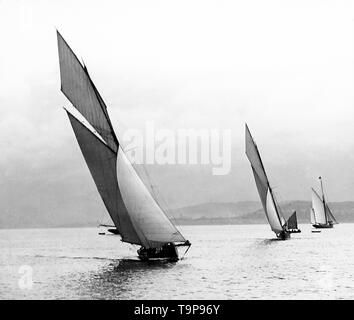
point(224, 262)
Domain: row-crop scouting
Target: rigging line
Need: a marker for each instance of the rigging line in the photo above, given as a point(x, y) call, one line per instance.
point(138, 172)
point(156, 191)
point(278, 200)
point(101, 218)
point(186, 251)
point(148, 189)
point(150, 184)
point(168, 214)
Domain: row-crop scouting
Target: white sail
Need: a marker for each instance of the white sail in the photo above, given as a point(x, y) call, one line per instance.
point(151, 223)
point(137, 216)
point(272, 214)
point(312, 216)
point(318, 208)
point(274, 217)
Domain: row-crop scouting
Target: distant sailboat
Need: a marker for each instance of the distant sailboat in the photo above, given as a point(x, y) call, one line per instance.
point(292, 224)
point(321, 216)
point(136, 215)
point(276, 221)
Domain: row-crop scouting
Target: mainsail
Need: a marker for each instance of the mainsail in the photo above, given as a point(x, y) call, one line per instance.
point(318, 208)
point(265, 192)
point(102, 163)
point(137, 216)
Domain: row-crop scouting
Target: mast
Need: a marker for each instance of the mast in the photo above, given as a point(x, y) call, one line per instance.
point(323, 199)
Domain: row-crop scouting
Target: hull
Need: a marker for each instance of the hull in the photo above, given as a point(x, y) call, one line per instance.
point(294, 231)
point(323, 226)
point(166, 252)
point(283, 235)
point(114, 231)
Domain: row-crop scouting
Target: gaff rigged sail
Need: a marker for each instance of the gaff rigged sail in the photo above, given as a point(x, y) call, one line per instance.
point(320, 212)
point(137, 216)
point(292, 221)
point(273, 215)
point(102, 163)
point(318, 208)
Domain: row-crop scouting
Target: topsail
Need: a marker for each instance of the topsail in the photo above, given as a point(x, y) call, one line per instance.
point(78, 87)
point(135, 213)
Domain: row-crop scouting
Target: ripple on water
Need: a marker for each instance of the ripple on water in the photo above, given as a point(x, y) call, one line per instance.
point(226, 262)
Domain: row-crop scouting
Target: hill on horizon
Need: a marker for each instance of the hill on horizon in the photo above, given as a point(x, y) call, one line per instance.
point(251, 212)
point(243, 212)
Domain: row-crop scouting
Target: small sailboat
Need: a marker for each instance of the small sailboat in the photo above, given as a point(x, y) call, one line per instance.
point(292, 224)
point(321, 216)
point(110, 228)
point(279, 226)
point(137, 216)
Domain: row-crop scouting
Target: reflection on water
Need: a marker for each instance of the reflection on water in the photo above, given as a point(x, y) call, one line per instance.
point(224, 262)
point(118, 279)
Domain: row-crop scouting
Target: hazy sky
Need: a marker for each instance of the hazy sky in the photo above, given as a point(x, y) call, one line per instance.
point(284, 67)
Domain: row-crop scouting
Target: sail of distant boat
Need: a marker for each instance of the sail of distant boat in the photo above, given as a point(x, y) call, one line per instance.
point(330, 216)
point(271, 209)
point(318, 208)
point(137, 216)
point(321, 215)
point(292, 221)
point(312, 216)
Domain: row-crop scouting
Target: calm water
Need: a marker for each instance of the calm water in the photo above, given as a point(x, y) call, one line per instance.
point(224, 262)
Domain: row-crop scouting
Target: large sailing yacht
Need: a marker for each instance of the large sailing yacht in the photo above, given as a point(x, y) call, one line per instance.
point(136, 214)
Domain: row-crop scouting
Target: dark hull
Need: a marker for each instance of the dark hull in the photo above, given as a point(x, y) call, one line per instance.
point(114, 231)
point(166, 252)
point(323, 226)
point(294, 231)
point(284, 235)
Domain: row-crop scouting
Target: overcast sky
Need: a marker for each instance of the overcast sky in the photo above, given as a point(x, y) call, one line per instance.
point(284, 67)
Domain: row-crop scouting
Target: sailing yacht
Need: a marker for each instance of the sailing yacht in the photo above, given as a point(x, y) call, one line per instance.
point(321, 216)
point(292, 224)
point(277, 223)
point(137, 216)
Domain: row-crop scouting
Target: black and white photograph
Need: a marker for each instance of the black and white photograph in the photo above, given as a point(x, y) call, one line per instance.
point(158, 150)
